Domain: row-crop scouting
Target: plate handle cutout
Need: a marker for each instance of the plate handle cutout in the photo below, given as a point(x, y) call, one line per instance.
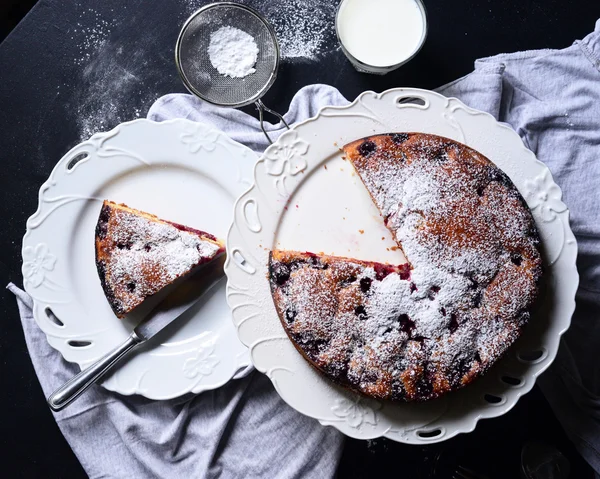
point(76, 159)
point(532, 357)
point(239, 259)
point(511, 380)
point(493, 399)
point(52, 317)
point(412, 101)
point(79, 344)
point(250, 210)
point(429, 433)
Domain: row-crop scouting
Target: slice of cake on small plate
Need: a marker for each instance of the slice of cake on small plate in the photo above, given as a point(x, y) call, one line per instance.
point(139, 254)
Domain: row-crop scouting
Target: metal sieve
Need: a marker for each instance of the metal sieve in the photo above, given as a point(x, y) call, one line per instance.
point(203, 80)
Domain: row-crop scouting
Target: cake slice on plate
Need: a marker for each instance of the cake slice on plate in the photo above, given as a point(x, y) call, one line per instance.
point(138, 254)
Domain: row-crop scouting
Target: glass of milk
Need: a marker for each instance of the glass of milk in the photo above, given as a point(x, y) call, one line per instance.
point(378, 36)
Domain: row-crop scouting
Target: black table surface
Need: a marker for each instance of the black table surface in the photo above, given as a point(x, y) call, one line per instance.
point(72, 68)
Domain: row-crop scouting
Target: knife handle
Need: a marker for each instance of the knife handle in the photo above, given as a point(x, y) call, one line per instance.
point(77, 385)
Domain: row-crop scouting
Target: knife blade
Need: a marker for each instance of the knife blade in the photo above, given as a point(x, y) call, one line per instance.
point(178, 298)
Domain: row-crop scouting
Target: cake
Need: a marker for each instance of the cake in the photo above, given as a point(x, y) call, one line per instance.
point(416, 331)
point(138, 254)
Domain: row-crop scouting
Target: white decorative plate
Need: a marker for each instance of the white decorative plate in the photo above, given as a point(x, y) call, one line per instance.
point(306, 197)
point(178, 170)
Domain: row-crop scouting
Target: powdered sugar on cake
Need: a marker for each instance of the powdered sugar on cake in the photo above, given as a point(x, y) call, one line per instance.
point(157, 247)
point(138, 254)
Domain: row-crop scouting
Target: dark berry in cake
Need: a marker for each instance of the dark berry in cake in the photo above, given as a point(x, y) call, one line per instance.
point(366, 148)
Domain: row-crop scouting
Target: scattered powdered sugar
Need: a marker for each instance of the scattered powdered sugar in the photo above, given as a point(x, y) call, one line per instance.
point(109, 90)
point(305, 28)
point(233, 52)
point(94, 37)
point(106, 91)
point(110, 73)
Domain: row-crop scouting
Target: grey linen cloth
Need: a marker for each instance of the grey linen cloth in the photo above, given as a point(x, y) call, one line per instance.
point(552, 99)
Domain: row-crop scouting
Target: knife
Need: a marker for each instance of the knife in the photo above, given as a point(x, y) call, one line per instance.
point(182, 295)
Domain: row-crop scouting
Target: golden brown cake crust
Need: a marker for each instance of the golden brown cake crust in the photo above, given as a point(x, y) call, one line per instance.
point(416, 332)
point(138, 254)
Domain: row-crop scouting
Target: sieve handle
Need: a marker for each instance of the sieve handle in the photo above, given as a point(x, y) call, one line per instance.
point(261, 109)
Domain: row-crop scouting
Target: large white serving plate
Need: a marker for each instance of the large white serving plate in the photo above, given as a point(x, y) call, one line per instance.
point(179, 170)
point(306, 197)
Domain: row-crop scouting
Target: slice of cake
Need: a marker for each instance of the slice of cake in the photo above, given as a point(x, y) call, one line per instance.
point(138, 254)
point(416, 332)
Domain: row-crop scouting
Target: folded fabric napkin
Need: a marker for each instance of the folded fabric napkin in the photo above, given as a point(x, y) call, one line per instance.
point(552, 99)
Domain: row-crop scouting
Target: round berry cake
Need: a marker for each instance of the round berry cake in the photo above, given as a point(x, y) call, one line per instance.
point(416, 331)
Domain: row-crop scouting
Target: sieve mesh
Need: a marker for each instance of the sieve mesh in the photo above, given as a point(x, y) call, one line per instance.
point(193, 61)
